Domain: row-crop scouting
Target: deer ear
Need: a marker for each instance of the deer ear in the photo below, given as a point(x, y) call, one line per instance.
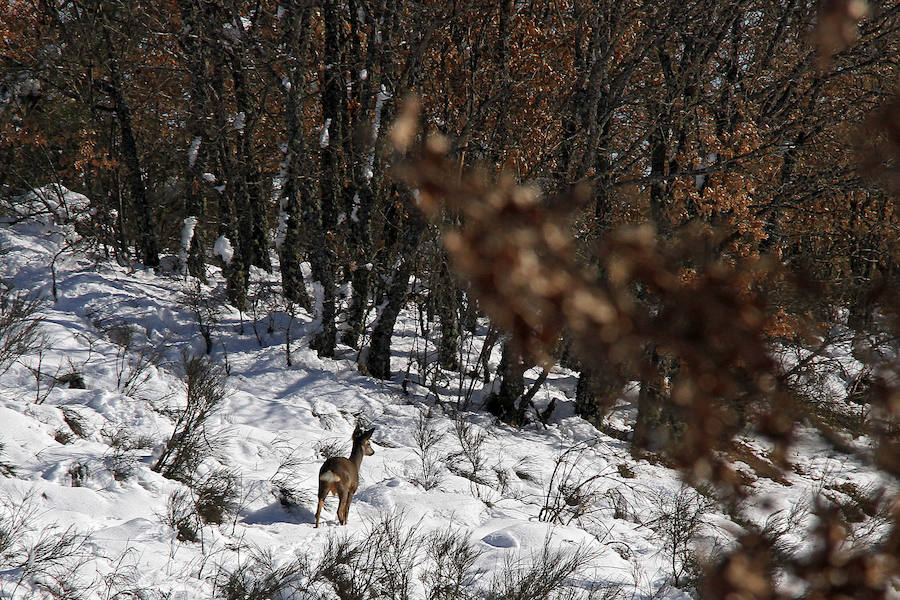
point(366, 435)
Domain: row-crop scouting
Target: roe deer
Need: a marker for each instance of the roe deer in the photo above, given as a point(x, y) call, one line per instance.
point(340, 475)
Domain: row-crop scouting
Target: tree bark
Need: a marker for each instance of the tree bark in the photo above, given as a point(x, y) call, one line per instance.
point(252, 225)
point(596, 392)
point(656, 428)
point(147, 243)
point(511, 371)
point(226, 173)
point(295, 187)
point(448, 312)
point(330, 140)
point(378, 361)
point(195, 44)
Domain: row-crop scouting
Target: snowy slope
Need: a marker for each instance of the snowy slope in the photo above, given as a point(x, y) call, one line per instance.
point(274, 424)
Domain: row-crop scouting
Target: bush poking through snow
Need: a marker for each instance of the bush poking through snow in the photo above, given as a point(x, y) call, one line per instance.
point(20, 326)
point(679, 520)
point(80, 473)
point(122, 580)
point(779, 528)
point(615, 499)
point(451, 571)
point(391, 560)
point(73, 380)
point(290, 495)
point(428, 437)
point(470, 460)
point(325, 449)
point(190, 445)
point(288, 487)
point(550, 575)
point(257, 578)
point(572, 490)
point(76, 423)
point(6, 469)
point(263, 303)
point(122, 464)
point(381, 564)
point(135, 361)
point(207, 309)
point(49, 558)
point(181, 515)
point(63, 436)
point(122, 458)
point(211, 499)
point(527, 470)
point(865, 509)
point(217, 495)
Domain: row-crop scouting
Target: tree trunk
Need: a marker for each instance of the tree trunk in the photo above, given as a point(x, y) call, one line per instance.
point(253, 228)
point(146, 232)
point(195, 44)
point(330, 141)
point(227, 174)
point(295, 189)
point(596, 392)
point(656, 428)
point(511, 371)
point(378, 361)
point(361, 239)
point(447, 310)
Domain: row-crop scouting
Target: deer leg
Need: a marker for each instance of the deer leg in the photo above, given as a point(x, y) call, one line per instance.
point(347, 507)
point(323, 493)
point(343, 506)
point(319, 510)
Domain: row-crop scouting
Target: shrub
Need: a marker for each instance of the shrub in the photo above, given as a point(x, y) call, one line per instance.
point(450, 574)
point(207, 310)
point(527, 470)
point(6, 469)
point(210, 500)
point(572, 490)
point(428, 437)
point(288, 487)
point(190, 443)
point(51, 558)
point(470, 460)
point(679, 520)
point(216, 495)
point(80, 473)
point(257, 578)
point(380, 565)
point(121, 582)
point(63, 436)
point(325, 449)
point(74, 380)
point(20, 326)
point(134, 360)
point(552, 574)
point(76, 422)
point(122, 459)
point(122, 464)
point(181, 515)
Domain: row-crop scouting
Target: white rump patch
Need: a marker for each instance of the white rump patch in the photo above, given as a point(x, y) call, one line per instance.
point(329, 476)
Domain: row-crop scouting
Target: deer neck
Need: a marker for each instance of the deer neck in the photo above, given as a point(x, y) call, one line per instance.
point(356, 455)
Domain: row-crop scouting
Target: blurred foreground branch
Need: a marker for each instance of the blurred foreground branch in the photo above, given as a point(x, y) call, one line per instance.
point(708, 312)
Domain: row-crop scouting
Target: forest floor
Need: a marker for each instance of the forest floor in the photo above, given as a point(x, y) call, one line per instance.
point(81, 507)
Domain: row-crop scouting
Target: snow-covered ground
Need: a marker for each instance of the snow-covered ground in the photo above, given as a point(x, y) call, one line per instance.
point(275, 422)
